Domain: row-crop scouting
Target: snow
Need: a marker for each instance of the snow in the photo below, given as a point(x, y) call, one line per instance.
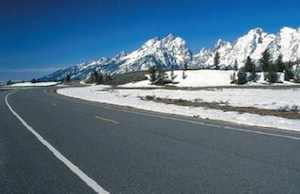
point(174, 51)
point(194, 78)
point(29, 84)
point(205, 78)
point(131, 98)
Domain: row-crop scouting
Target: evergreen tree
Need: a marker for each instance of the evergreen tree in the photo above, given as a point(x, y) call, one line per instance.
point(297, 74)
point(152, 72)
point(68, 78)
point(173, 76)
point(33, 81)
point(242, 76)
point(279, 64)
point(185, 66)
point(161, 77)
point(272, 75)
point(183, 75)
point(266, 60)
point(288, 73)
point(235, 66)
point(217, 61)
point(97, 77)
point(249, 65)
point(253, 74)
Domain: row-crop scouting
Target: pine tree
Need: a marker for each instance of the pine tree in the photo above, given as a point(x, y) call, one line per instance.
point(68, 78)
point(235, 66)
point(242, 76)
point(288, 73)
point(217, 60)
point(152, 72)
point(183, 75)
point(279, 64)
point(296, 73)
point(33, 81)
point(173, 76)
point(272, 75)
point(249, 65)
point(266, 60)
point(97, 77)
point(161, 77)
point(185, 66)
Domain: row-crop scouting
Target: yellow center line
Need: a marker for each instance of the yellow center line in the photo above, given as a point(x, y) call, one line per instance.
point(108, 120)
point(54, 104)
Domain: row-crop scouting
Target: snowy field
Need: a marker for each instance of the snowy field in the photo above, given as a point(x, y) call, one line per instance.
point(29, 84)
point(204, 78)
point(259, 98)
point(271, 99)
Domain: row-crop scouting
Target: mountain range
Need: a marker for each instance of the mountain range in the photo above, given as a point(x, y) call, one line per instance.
point(173, 52)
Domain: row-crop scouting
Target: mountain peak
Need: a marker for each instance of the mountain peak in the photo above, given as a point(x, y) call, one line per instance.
point(256, 31)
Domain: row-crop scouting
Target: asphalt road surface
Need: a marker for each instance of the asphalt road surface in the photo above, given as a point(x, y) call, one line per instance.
point(54, 144)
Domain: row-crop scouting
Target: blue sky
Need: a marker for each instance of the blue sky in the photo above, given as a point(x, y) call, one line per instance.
point(39, 36)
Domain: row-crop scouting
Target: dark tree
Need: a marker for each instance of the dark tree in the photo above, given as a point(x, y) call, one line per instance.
point(68, 78)
point(152, 72)
point(242, 76)
point(97, 77)
point(272, 75)
point(279, 64)
point(217, 60)
point(185, 66)
point(235, 66)
point(9, 82)
point(266, 60)
point(33, 81)
point(249, 65)
point(173, 76)
point(288, 73)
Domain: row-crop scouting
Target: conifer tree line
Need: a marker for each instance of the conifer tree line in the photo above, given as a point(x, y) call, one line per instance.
point(159, 77)
point(269, 68)
point(98, 77)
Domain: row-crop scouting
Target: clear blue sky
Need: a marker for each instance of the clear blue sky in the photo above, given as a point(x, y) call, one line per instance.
point(38, 36)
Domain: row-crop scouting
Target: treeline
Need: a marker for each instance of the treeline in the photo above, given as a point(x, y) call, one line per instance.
point(98, 77)
point(270, 70)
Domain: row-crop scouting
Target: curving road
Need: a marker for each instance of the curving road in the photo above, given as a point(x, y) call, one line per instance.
point(129, 151)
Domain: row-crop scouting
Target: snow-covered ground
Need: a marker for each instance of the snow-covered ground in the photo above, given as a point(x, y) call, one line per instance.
point(237, 97)
point(204, 78)
point(29, 84)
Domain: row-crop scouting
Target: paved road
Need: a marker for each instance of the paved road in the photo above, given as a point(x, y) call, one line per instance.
point(127, 151)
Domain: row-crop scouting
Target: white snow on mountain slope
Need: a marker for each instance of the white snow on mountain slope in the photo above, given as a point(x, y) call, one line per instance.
point(173, 51)
point(253, 44)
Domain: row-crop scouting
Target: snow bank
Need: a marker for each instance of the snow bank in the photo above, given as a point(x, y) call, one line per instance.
point(131, 98)
point(29, 84)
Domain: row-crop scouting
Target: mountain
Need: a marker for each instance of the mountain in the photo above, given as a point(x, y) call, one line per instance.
point(173, 52)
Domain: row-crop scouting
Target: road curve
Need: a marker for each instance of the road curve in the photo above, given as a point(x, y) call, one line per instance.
point(130, 151)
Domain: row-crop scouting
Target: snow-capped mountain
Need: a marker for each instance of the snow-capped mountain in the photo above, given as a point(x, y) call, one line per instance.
point(173, 51)
point(165, 53)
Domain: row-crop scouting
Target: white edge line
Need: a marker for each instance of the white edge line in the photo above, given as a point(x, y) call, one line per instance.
point(182, 120)
point(90, 182)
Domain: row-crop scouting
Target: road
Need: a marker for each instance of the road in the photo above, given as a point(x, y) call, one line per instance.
point(129, 151)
